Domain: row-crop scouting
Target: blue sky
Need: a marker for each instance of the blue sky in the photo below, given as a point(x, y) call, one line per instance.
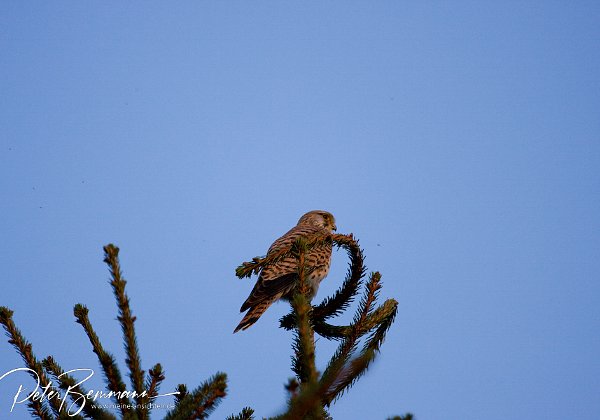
point(459, 141)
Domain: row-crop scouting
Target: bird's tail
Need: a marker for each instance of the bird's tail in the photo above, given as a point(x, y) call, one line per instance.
point(252, 315)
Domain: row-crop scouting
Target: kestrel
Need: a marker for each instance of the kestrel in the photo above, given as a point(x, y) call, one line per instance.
point(278, 280)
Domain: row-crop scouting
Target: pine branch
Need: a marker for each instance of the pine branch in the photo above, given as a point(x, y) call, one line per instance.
point(343, 297)
point(303, 362)
point(324, 329)
point(126, 319)
point(24, 348)
point(202, 401)
point(77, 393)
point(155, 378)
point(372, 292)
point(292, 387)
point(407, 416)
point(245, 414)
point(306, 405)
point(341, 374)
point(349, 375)
point(195, 405)
point(304, 342)
point(182, 393)
point(348, 345)
point(358, 367)
point(337, 332)
point(37, 410)
point(316, 394)
point(388, 316)
point(107, 361)
point(331, 332)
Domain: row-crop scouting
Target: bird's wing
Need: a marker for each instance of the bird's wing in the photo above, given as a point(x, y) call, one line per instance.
point(278, 279)
point(267, 289)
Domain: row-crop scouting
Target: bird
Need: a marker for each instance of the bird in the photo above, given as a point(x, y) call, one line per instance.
point(278, 280)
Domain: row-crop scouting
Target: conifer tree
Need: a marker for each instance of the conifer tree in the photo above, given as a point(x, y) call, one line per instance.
point(311, 392)
point(197, 404)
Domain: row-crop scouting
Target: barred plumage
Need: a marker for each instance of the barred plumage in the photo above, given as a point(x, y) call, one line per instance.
point(278, 280)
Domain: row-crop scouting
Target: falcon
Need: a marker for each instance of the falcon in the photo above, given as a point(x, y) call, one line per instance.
point(278, 280)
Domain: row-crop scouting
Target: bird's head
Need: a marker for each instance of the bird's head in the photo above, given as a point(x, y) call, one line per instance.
point(320, 218)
